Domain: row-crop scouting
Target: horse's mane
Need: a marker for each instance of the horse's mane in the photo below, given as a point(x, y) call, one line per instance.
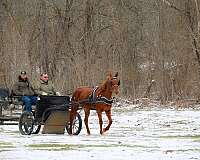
point(103, 85)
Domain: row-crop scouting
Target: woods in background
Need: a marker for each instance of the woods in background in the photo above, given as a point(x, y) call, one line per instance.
point(153, 44)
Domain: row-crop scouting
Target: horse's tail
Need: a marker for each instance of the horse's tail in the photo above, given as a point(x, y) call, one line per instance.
point(75, 95)
point(74, 101)
point(74, 108)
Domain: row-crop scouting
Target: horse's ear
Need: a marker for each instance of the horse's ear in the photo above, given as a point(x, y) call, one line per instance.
point(116, 74)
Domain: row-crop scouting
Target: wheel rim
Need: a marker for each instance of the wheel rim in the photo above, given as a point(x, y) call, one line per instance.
point(76, 125)
point(36, 128)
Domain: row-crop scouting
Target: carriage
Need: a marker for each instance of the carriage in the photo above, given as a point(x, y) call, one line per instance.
point(54, 113)
point(10, 106)
point(50, 111)
point(59, 113)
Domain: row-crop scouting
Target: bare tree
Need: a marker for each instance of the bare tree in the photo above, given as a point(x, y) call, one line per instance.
point(78, 42)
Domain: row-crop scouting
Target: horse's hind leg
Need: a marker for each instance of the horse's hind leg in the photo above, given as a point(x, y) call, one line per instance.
point(72, 117)
point(108, 114)
point(87, 113)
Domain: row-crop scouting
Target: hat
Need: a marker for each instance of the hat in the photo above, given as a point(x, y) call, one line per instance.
point(23, 72)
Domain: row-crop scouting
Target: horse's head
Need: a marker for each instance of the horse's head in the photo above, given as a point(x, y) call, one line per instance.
point(110, 85)
point(114, 83)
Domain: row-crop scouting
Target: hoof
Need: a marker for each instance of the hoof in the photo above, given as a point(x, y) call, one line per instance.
point(88, 133)
point(104, 130)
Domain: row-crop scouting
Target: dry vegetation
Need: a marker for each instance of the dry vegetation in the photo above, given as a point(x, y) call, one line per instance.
point(78, 41)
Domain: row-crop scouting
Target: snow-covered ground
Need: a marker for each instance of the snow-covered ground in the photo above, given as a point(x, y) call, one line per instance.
point(139, 134)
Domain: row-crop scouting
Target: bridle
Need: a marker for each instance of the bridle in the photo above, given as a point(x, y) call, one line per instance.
point(115, 78)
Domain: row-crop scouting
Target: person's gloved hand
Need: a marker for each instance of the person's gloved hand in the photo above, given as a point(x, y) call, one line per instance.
point(58, 93)
point(44, 93)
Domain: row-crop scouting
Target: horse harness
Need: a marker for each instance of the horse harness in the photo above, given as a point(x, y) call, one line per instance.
point(93, 98)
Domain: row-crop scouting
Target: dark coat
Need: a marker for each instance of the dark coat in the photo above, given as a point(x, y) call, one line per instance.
point(23, 88)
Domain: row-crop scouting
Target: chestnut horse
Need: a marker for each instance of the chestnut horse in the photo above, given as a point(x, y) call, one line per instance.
point(83, 94)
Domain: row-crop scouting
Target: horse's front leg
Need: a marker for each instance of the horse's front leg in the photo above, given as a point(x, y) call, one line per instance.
point(108, 114)
point(100, 120)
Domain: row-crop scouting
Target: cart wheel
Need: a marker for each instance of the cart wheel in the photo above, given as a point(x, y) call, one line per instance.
point(76, 125)
point(26, 121)
point(36, 125)
point(36, 128)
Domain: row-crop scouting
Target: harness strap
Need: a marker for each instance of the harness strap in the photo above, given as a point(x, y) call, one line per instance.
point(104, 100)
point(94, 99)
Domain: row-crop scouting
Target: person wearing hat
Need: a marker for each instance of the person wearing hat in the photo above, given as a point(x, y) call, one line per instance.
point(45, 86)
point(23, 88)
